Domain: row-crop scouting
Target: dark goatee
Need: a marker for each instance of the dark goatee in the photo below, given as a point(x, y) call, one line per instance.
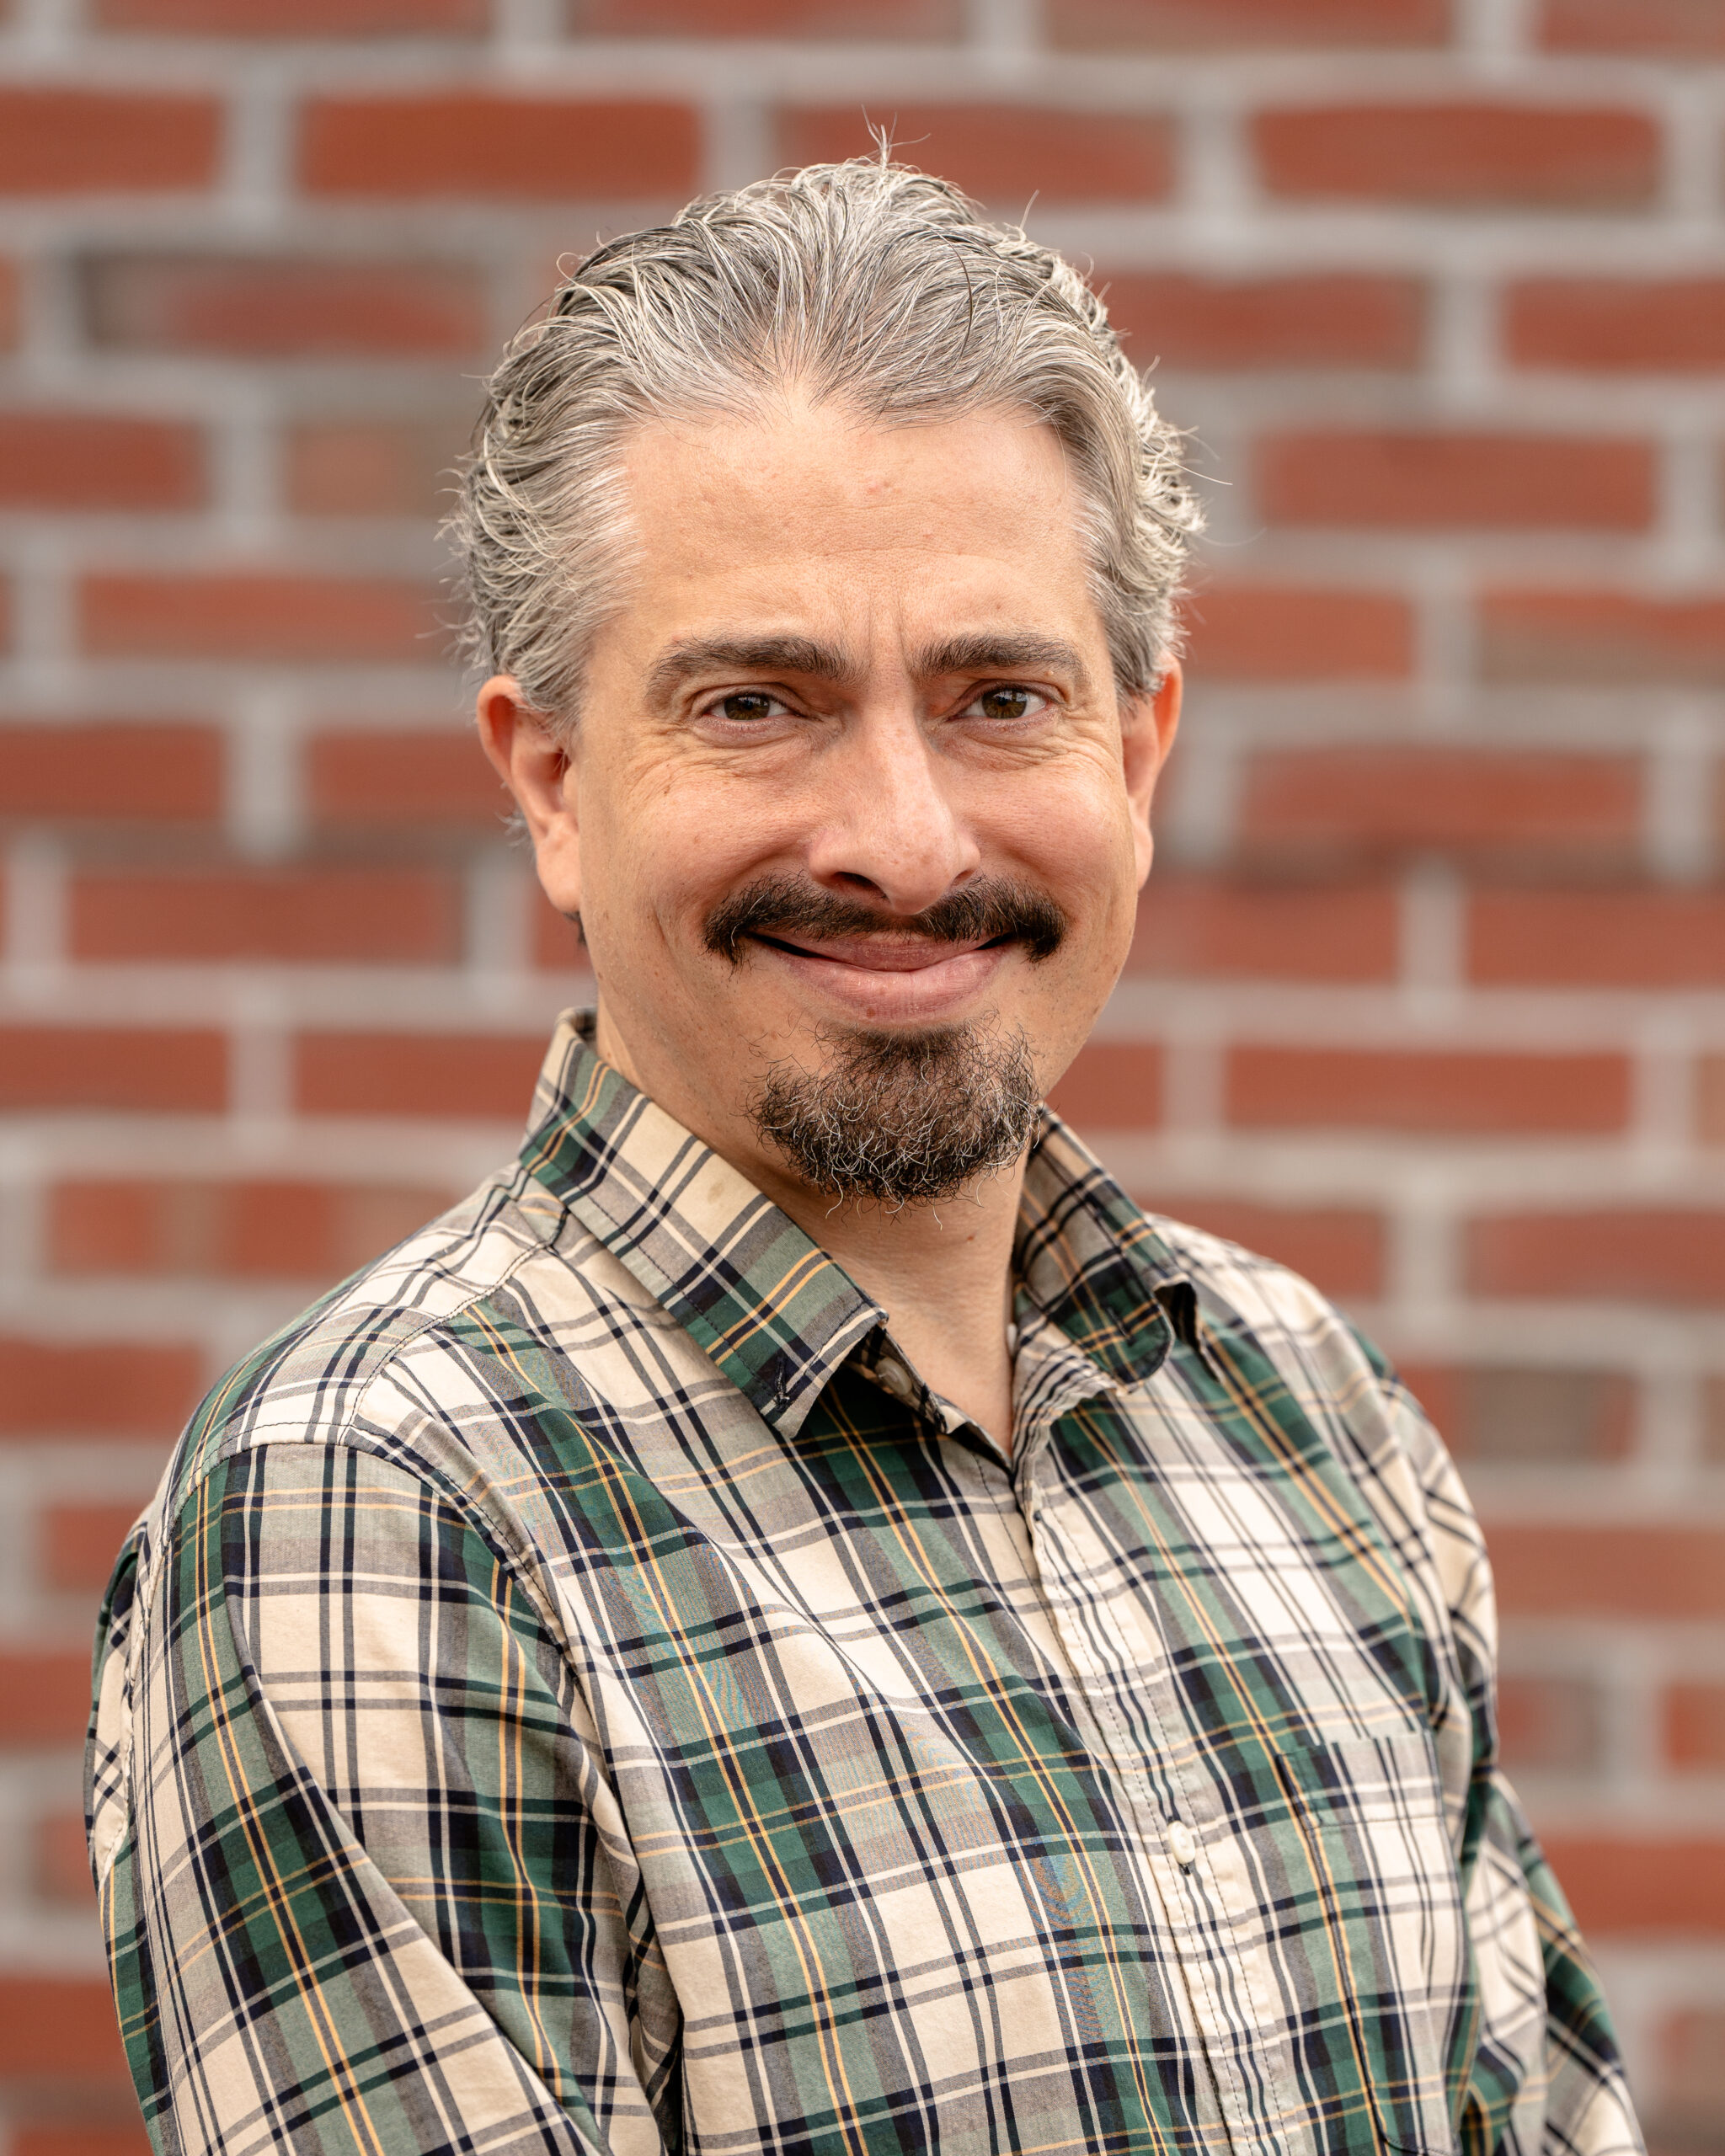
point(903, 1119)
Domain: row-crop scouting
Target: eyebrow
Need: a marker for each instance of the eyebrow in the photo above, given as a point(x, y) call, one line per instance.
point(696, 656)
point(1002, 652)
point(989, 653)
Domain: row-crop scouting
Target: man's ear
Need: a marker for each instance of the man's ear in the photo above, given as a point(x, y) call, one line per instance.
point(542, 777)
point(1148, 724)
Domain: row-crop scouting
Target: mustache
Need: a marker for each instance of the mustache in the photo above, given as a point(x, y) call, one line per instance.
point(992, 909)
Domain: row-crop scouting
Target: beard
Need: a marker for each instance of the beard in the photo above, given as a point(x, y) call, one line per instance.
point(901, 1118)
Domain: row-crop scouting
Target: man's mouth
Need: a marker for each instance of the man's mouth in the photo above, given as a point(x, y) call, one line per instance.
point(886, 954)
point(911, 980)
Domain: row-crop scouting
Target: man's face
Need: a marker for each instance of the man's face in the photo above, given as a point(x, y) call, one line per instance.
point(850, 771)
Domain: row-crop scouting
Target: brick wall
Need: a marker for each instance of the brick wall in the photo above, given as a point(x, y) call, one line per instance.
point(1429, 994)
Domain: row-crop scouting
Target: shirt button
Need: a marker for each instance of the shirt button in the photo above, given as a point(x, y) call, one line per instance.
point(896, 1378)
point(1182, 1843)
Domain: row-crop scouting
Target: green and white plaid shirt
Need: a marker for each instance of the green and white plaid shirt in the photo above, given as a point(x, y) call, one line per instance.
point(578, 1690)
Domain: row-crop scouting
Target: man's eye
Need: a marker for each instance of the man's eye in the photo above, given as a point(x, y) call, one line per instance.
point(746, 705)
point(1006, 702)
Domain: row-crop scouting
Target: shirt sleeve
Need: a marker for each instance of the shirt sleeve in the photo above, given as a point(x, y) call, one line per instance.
point(1546, 2077)
point(363, 1887)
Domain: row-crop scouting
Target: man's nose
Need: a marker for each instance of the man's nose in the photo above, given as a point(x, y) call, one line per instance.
point(885, 815)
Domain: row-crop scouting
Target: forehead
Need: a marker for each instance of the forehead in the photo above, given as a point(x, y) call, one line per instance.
point(812, 509)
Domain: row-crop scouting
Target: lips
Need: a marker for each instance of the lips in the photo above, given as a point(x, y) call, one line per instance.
point(881, 981)
point(881, 954)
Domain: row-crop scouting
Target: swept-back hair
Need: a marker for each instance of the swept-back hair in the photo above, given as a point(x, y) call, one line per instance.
point(866, 283)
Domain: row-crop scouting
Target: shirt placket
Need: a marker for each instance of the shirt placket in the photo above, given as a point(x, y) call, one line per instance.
point(1192, 1873)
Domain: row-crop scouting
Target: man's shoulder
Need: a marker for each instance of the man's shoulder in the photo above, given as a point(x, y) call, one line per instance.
point(450, 1323)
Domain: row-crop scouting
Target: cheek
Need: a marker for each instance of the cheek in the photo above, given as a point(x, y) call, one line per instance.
point(676, 843)
point(1074, 833)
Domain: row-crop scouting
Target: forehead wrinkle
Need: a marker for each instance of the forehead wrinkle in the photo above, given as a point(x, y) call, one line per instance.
point(745, 654)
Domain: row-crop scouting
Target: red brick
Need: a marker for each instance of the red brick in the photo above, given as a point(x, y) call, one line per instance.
point(1479, 482)
point(59, 2025)
point(1710, 1099)
point(88, 461)
point(368, 915)
point(416, 1073)
point(1548, 1724)
point(1600, 639)
point(1437, 1388)
point(1382, 801)
point(104, 770)
point(316, 619)
point(261, 307)
point(58, 1067)
point(250, 1231)
point(45, 1699)
point(1114, 1085)
point(1193, 925)
point(1617, 1885)
point(63, 1862)
point(1240, 632)
point(514, 149)
point(1640, 1572)
point(371, 467)
point(79, 1544)
point(11, 304)
point(1001, 153)
point(1692, 2086)
point(62, 2138)
point(1618, 325)
point(96, 1388)
point(400, 778)
point(1507, 1414)
point(1339, 1248)
point(1695, 1726)
point(911, 20)
point(1451, 1092)
point(66, 141)
point(284, 19)
point(1635, 1254)
point(1336, 321)
point(1680, 28)
point(1610, 937)
point(1181, 26)
point(1460, 156)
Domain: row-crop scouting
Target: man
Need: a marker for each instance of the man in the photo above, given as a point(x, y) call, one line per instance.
point(797, 1618)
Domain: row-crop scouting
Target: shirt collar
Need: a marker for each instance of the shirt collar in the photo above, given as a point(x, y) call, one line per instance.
point(776, 1314)
point(1090, 1261)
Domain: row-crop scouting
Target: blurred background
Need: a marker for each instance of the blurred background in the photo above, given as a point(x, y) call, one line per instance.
point(1428, 994)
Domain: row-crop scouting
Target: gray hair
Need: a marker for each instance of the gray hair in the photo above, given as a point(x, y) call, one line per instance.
point(869, 282)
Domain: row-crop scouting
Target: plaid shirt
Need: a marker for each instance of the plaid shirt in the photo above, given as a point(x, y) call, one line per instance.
point(578, 1689)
